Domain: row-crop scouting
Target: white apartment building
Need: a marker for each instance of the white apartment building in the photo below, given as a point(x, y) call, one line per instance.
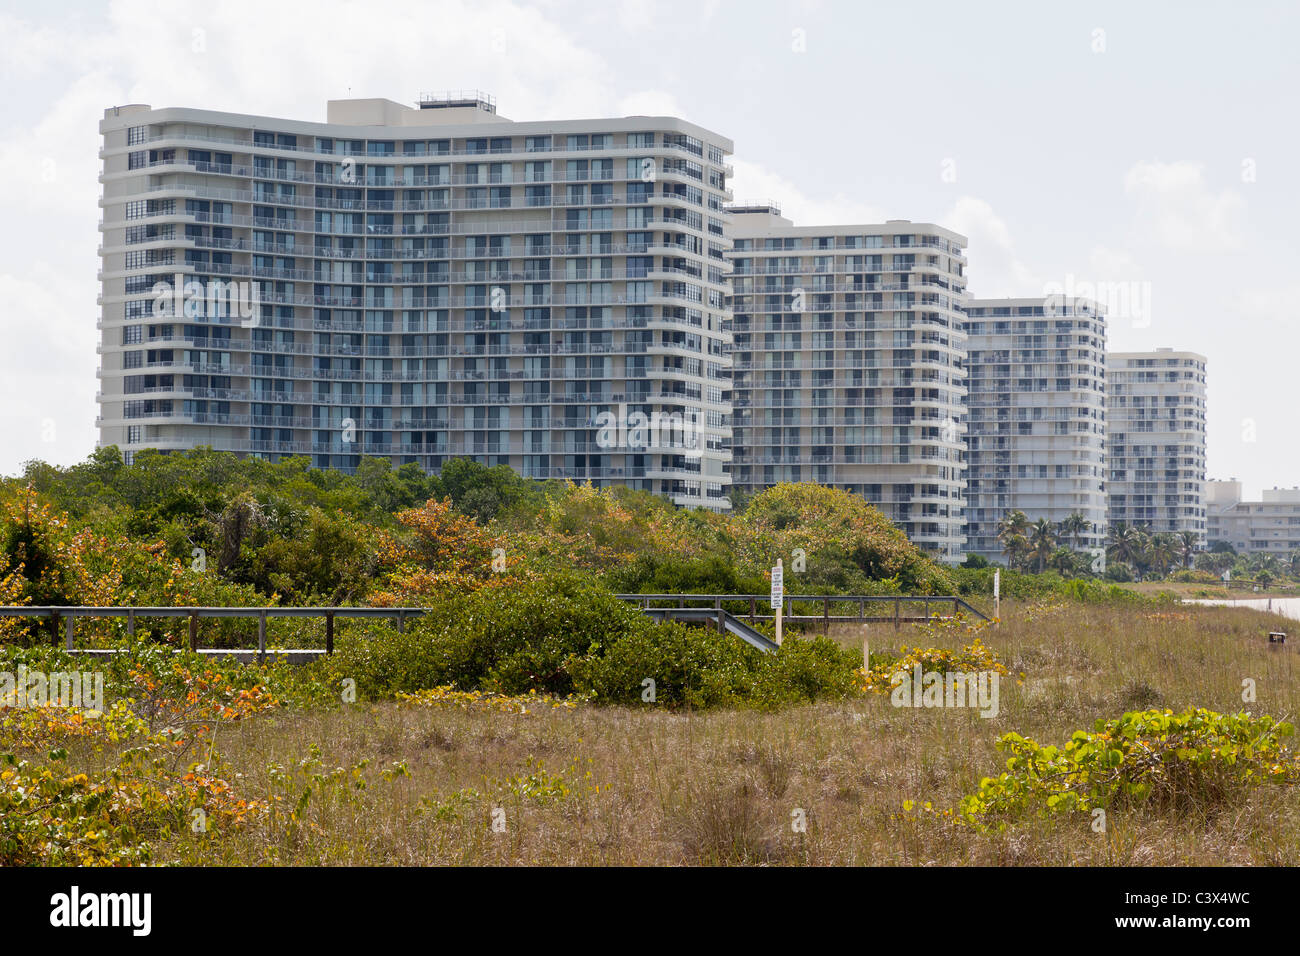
point(849, 365)
point(1036, 420)
point(1155, 416)
point(1268, 526)
point(430, 281)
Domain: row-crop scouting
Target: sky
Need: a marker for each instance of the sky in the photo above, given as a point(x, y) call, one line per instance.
point(1137, 150)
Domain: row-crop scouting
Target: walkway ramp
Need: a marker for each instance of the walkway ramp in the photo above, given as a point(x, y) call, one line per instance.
point(720, 619)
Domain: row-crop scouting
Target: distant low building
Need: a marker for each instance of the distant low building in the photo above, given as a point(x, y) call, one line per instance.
point(1268, 526)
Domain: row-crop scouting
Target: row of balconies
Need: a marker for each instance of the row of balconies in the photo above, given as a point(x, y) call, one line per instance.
point(363, 176)
point(341, 149)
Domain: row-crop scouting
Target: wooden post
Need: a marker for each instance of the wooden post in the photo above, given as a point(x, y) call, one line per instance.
point(261, 637)
point(717, 607)
point(194, 632)
point(329, 632)
point(130, 622)
point(70, 630)
point(826, 617)
point(898, 611)
point(753, 610)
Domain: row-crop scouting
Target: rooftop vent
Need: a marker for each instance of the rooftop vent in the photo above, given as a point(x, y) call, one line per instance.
point(458, 99)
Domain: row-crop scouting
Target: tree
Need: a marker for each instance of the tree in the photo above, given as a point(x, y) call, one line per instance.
point(1017, 550)
point(1042, 541)
point(1186, 545)
point(1013, 526)
point(1125, 544)
point(1216, 562)
point(1064, 561)
point(1163, 551)
point(1073, 527)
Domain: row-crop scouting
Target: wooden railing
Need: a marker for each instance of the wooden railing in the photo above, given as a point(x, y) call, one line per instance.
point(69, 616)
point(920, 608)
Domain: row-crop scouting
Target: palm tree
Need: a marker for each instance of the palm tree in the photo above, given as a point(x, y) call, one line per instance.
point(1014, 524)
point(1042, 541)
point(1063, 560)
point(1216, 562)
point(1017, 550)
point(1185, 542)
point(1073, 526)
point(1125, 544)
point(1163, 551)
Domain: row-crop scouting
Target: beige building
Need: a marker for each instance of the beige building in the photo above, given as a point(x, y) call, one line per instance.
point(418, 283)
point(849, 365)
point(1268, 526)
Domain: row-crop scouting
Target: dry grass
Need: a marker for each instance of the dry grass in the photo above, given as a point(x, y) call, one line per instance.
point(646, 786)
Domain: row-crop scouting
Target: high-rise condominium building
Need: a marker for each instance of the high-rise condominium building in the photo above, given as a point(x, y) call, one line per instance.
point(1268, 526)
point(1036, 418)
point(1155, 417)
point(849, 365)
point(419, 283)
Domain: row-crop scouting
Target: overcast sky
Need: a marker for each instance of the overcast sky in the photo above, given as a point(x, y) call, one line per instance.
point(1143, 148)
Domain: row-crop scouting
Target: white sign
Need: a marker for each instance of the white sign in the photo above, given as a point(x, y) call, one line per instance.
point(997, 583)
point(778, 586)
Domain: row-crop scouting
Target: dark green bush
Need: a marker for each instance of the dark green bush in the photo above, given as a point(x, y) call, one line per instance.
point(563, 635)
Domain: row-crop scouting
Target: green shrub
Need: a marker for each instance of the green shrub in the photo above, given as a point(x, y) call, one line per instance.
point(690, 666)
point(1198, 759)
point(808, 669)
point(564, 635)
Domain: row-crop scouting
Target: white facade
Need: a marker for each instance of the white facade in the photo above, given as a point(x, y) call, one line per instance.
point(1036, 377)
point(1268, 526)
point(849, 365)
point(435, 281)
point(1155, 416)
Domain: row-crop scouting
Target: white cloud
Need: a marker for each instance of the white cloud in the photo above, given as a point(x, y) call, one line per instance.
point(48, 384)
point(754, 183)
point(1177, 208)
point(996, 269)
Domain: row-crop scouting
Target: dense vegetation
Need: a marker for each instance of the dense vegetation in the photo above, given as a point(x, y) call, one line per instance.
point(518, 576)
point(1131, 553)
point(710, 743)
point(209, 527)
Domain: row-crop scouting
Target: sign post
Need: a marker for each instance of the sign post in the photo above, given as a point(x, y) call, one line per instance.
point(778, 595)
point(997, 596)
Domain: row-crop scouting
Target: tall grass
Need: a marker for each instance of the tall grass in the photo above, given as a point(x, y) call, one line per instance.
point(633, 785)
